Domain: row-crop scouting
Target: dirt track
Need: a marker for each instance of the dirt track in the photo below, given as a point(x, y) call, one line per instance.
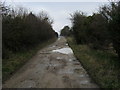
point(50, 68)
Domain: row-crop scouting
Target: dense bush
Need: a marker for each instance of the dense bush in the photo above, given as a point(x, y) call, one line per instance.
point(65, 31)
point(22, 30)
point(79, 27)
point(112, 14)
point(98, 36)
point(90, 30)
point(99, 30)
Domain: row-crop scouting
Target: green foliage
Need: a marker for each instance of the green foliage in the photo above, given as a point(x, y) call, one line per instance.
point(21, 30)
point(79, 27)
point(112, 14)
point(23, 34)
point(18, 59)
point(98, 35)
point(100, 30)
point(91, 30)
point(102, 66)
point(65, 31)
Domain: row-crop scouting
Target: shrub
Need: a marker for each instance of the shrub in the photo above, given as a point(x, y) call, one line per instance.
point(22, 30)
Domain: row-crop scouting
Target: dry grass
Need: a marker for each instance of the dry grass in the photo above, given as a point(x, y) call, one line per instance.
point(103, 66)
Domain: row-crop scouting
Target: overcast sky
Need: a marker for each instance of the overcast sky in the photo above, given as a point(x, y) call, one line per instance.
point(58, 10)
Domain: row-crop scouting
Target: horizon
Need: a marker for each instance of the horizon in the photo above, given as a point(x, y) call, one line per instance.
point(59, 11)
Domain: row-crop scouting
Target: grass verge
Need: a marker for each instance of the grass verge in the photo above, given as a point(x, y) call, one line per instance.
point(17, 60)
point(102, 66)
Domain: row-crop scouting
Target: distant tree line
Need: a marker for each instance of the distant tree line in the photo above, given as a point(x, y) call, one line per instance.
point(100, 30)
point(22, 30)
point(91, 30)
point(66, 31)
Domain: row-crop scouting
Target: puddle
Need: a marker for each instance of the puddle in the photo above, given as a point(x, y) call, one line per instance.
point(82, 75)
point(58, 58)
point(64, 51)
point(84, 82)
point(53, 46)
point(70, 60)
point(66, 44)
point(66, 72)
point(54, 64)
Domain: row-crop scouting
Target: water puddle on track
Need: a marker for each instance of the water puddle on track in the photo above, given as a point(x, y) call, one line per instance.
point(64, 51)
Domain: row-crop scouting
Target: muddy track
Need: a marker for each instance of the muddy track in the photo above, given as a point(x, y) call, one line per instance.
point(53, 67)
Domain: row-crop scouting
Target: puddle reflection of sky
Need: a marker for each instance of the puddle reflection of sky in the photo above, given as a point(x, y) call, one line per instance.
point(64, 51)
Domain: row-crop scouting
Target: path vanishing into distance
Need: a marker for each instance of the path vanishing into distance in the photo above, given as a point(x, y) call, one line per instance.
point(55, 66)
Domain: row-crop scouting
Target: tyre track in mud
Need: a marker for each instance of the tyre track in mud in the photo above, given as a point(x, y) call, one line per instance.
point(52, 67)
